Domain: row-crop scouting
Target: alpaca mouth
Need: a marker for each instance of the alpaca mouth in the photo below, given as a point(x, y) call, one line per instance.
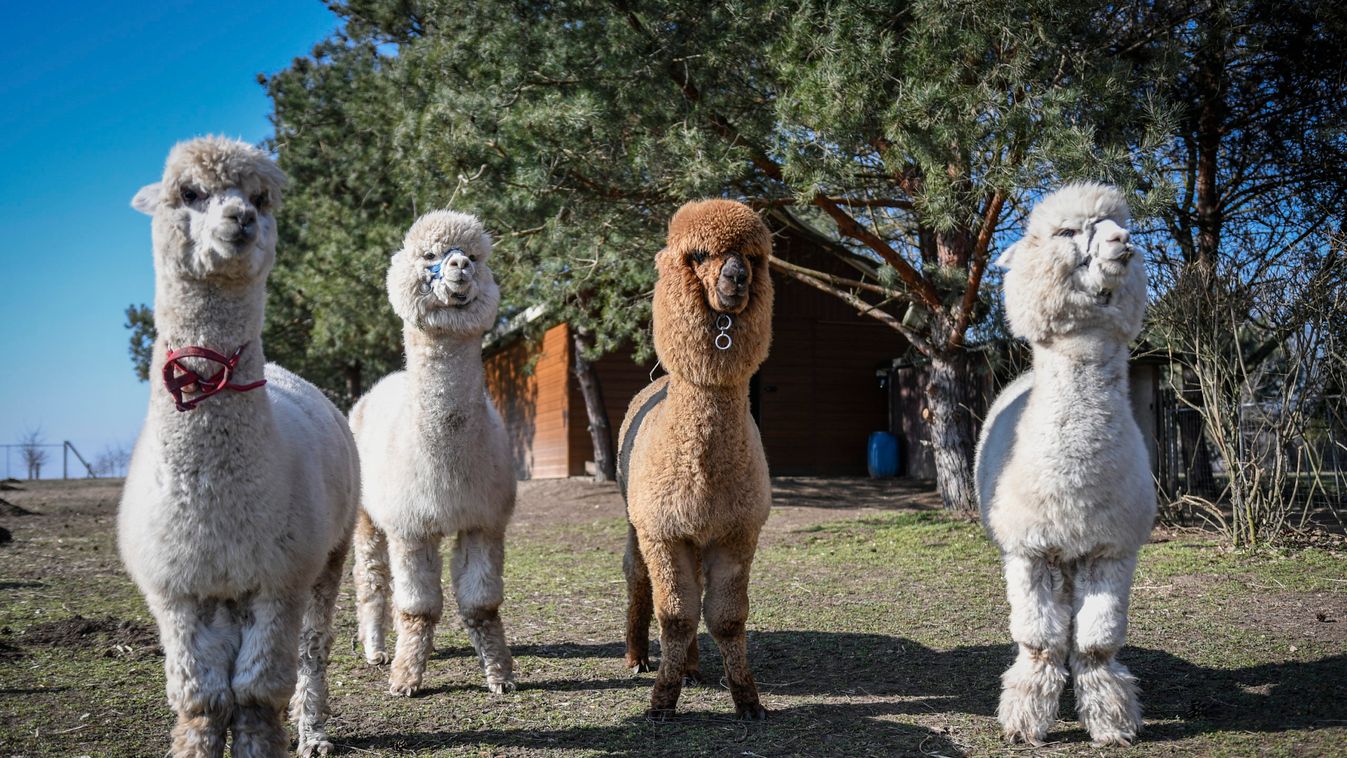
point(461, 299)
point(732, 303)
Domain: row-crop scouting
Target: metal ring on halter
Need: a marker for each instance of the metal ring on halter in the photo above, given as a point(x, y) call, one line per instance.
point(728, 341)
point(723, 322)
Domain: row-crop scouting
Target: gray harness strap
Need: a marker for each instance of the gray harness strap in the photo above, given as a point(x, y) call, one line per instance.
point(629, 440)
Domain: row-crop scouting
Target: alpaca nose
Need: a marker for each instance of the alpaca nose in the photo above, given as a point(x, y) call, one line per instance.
point(459, 262)
point(1118, 235)
point(735, 273)
point(241, 216)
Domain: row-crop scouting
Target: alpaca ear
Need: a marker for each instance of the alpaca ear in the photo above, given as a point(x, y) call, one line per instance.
point(147, 199)
point(1007, 256)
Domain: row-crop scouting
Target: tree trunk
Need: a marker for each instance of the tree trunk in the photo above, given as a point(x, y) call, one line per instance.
point(605, 463)
point(354, 386)
point(951, 429)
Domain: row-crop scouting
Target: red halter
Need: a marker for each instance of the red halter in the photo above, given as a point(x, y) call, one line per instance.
point(179, 379)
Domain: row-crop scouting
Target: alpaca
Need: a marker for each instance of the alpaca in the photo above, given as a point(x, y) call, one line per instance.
point(691, 462)
point(436, 460)
point(1063, 479)
point(241, 492)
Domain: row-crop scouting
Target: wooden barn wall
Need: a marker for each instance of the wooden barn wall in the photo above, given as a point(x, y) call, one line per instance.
point(819, 395)
point(533, 403)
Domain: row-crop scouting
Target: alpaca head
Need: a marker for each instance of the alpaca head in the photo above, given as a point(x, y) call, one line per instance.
point(713, 281)
point(1075, 272)
point(439, 281)
point(213, 210)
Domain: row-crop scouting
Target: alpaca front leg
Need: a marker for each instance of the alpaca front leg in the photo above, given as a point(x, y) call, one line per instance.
point(419, 597)
point(199, 649)
point(677, 594)
point(640, 605)
point(1040, 622)
point(727, 571)
point(308, 706)
point(477, 570)
point(265, 673)
point(372, 588)
point(1106, 692)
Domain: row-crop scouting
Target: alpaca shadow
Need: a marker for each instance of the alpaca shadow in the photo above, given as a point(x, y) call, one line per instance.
point(851, 492)
point(1186, 699)
point(819, 729)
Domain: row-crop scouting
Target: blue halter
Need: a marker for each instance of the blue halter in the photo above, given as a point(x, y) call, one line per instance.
point(435, 274)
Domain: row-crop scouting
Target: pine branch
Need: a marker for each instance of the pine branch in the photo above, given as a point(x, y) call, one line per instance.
point(862, 308)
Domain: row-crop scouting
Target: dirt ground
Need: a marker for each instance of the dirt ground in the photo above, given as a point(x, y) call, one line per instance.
point(878, 628)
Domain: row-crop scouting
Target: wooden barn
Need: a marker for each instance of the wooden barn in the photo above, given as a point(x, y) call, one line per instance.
point(817, 398)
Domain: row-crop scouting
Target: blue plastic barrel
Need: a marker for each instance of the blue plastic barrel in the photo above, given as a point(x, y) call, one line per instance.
point(882, 460)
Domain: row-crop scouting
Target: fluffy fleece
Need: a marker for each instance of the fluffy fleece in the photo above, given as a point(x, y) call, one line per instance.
point(1062, 474)
point(698, 491)
point(236, 516)
point(436, 460)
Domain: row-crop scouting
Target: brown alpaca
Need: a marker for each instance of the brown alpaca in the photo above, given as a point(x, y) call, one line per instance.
point(691, 461)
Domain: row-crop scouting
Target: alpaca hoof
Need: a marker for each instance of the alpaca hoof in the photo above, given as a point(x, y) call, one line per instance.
point(500, 687)
point(1116, 741)
point(1112, 738)
point(750, 712)
point(693, 678)
point(402, 689)
point(639, 665)
point(316, 748)
point(659, 714)
point(1013, 736)
point(378, 658)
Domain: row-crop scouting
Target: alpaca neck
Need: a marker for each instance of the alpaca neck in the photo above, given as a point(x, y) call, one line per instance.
point(1079, 378)
point(221, 317)
point(446, 374)
point(706, 410)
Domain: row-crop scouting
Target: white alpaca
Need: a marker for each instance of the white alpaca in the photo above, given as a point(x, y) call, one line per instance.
point(1062, 474)
point(240, 498)
point(436, 460)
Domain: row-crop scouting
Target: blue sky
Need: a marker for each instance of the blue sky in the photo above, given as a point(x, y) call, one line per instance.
point(94, 96)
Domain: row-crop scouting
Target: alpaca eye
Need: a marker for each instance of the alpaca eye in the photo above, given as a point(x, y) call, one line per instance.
point(261, 199)
point(1066, 233)
point(473, 258)
point(190, 195)
point(428, 256)
point(698, 256)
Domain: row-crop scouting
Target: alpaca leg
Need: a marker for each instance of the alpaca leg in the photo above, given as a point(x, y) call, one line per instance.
point(478, 568)
point(692, 665)
point(308, 706)
point(419, 598)
point(640, 605)
point(372, 587)
point(265, 673)
point(199, 649)
point(1106, 692)
point(727, 571)
point(1040, 621)
point(677, 595)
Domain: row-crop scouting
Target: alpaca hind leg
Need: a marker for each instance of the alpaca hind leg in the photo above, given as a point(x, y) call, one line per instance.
point(372, 588)
point(727, 571)
point(478, 568)
point(692, 664)
point(199, 644)
point(1106, 692)
point(419, 597)
point(677, 595)
point(1040, 622)
point(640, 605)
point(308, 706)
point(265, 672)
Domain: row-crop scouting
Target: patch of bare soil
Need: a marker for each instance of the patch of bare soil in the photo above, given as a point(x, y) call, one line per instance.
point(112, 636)
point(797, 501)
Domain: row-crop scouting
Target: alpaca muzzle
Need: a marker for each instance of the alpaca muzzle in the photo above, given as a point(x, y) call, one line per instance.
point(732, 284)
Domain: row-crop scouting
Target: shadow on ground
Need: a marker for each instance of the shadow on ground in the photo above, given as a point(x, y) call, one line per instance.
point(892, 677)
point(850, 493)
